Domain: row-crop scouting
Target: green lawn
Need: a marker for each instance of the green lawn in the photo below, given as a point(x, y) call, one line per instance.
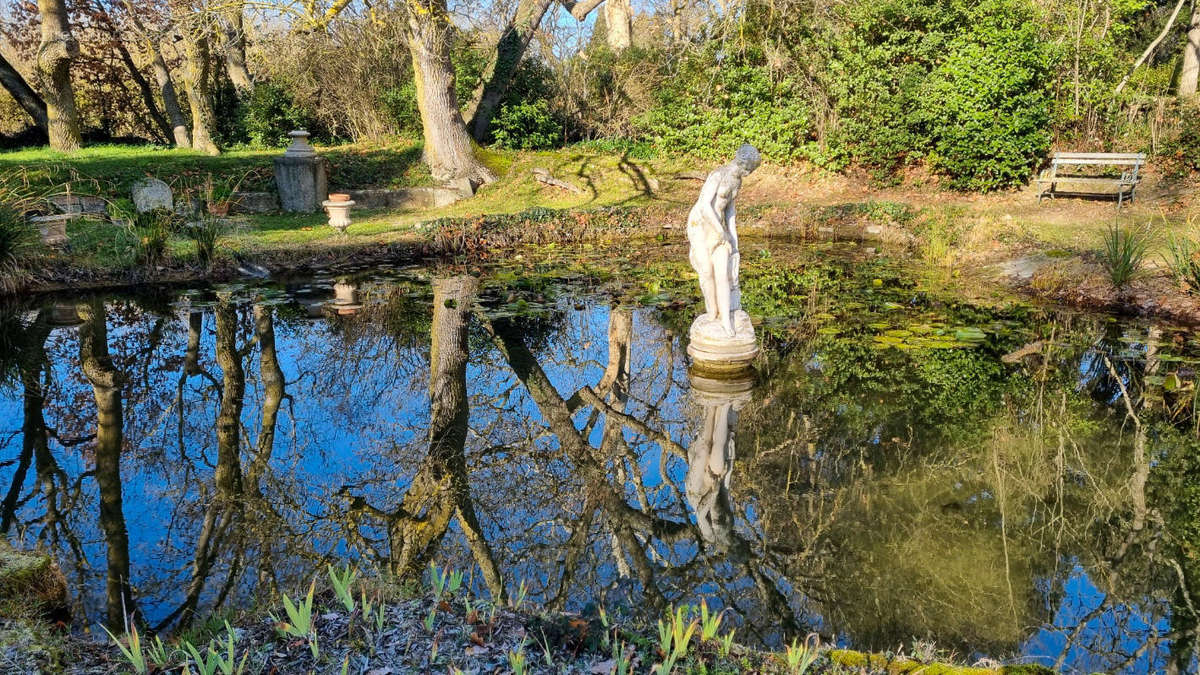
point(604, 179)
point(109, 170)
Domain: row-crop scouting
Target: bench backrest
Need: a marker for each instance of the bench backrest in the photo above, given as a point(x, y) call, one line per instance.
point(1099, 158)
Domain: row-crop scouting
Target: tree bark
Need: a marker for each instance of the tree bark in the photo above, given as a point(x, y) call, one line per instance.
point(233, 26)
point(54, 55)
point(448, 151)
point(198, 82)
point(106, 383)
point(498, 74)
point(24, 95)
point(618, 16)
point(166, 89)
point(1190, 75)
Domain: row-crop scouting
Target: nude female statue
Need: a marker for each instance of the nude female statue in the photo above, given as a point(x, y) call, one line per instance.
point(712, 234)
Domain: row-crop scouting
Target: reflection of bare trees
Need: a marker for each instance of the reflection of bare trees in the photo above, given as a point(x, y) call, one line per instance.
point(440, 491)
point(106, 383)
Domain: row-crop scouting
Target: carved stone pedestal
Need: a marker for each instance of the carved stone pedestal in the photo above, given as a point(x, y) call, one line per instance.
point(301, 176)
point(714, 353)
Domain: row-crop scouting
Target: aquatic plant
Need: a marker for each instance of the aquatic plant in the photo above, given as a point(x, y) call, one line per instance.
point(674, 637)
point(1123, 254)
point(341, 586)
point(517, 659)
point(300, 620)
point(151, 231)
point(17, 239)
point(132, 651)
point(709, 622)
point(801, 656)
point(444, 581)
point(222, 660)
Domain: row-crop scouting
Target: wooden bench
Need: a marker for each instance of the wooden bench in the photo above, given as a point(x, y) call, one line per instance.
point(1125, 184)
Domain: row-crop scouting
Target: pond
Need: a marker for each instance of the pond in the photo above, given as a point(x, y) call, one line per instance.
point(905, 468)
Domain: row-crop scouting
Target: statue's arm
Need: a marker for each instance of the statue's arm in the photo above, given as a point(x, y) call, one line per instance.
point(708, 195)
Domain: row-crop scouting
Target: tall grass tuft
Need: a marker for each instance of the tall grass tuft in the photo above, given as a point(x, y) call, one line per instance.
point(205, 232)
point(1183, 259)
point(17, 242)
point(1124, 252)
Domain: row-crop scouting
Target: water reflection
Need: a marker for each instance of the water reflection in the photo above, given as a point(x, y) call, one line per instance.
point(217, 450)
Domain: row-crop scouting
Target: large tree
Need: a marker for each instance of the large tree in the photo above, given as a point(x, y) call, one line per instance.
point(448, 151)
point(195, 30)
point(233, 29)
point(514, 41)
point(54, 55)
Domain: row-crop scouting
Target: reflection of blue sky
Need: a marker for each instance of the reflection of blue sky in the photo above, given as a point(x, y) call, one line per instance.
point(1077, 621)
point(355, 421)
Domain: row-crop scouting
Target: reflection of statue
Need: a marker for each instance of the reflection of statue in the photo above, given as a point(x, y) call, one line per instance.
point(710, 459)
point(722, 339)
point(712, 233)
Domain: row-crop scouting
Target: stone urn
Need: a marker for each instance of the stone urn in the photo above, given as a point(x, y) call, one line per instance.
point(339, 211)
point(300, 146)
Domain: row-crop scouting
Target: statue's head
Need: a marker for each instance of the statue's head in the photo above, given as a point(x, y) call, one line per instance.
point(747, 158)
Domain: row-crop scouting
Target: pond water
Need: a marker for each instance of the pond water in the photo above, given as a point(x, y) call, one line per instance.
point(1011, 483)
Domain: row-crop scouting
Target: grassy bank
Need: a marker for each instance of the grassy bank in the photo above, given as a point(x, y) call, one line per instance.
point(349, 623)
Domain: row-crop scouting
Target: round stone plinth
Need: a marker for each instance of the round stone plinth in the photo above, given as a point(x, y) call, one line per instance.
point(717, 354)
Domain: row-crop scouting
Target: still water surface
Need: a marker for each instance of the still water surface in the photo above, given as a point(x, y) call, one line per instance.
point(888, 476)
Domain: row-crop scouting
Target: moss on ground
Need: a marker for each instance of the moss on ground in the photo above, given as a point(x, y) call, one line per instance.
point(31, 584)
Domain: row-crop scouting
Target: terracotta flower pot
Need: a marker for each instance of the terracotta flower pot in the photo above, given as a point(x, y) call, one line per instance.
point(339, 197)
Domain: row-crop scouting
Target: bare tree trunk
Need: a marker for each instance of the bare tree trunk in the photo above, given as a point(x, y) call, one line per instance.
point(166, 89)
point(106, 383)
point(1190, 76)
point(162, 75)
point(618, 16)
point(1150, 48)
point(24, 95)
point(156, 116)
point(448, 150)
point(198, 82)
point(233, 26)
point(54, 55)
point(498, 74)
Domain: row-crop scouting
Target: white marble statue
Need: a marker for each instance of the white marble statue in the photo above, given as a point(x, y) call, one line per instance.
point(712, 234)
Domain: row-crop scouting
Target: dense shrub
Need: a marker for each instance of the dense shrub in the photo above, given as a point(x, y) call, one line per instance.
point(271, 112)
point(527, 126)
point(990, 99)
point(711, 107)
point(966, 85)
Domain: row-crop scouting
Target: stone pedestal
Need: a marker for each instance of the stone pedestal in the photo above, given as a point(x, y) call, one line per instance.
point(715, 353)
point(301, 176)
